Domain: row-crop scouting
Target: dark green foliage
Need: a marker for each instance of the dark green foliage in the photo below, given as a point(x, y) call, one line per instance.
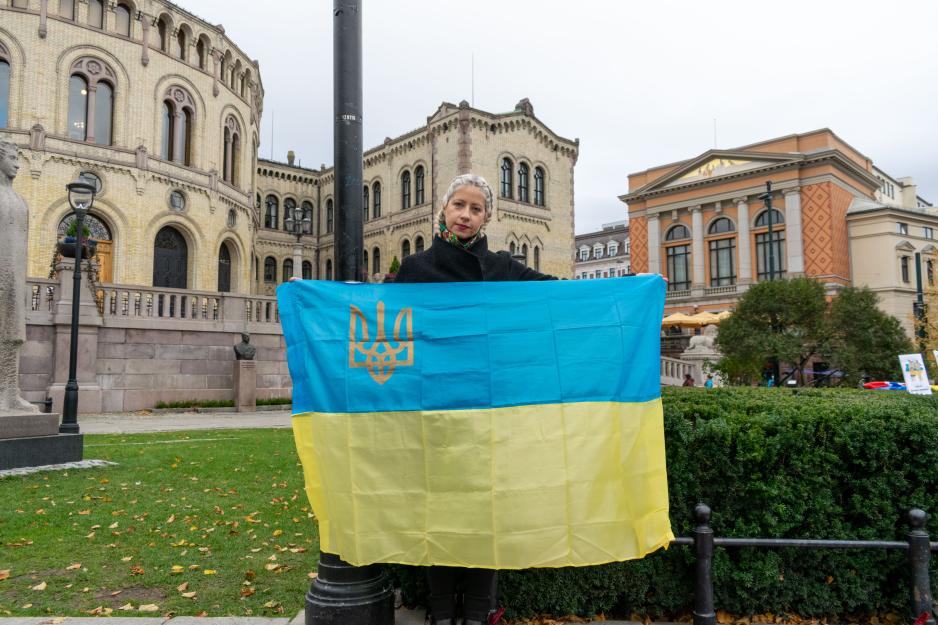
point(783, 319)
point(864, 340)
point(825, 463)
point(274, 401)
point(196, 403)
point(395, 265)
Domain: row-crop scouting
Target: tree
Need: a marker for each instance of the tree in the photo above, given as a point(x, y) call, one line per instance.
point(864, 341)
point(395, 266)
point(930, 323)
point(776, 320)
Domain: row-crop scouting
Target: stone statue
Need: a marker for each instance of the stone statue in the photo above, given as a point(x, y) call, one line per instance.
point(703, 343)
point(14, 232)
point(244, 350)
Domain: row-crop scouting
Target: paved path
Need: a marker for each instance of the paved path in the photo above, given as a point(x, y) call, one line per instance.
point(134, 422)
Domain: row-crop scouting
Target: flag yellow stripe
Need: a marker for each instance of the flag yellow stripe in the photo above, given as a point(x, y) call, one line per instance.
point(544, 485)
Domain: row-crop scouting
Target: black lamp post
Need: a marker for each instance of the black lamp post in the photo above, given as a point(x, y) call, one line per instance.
point(299, 222)
point(80, 198)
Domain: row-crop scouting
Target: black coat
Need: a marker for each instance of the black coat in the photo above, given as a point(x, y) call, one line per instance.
point(445, 262)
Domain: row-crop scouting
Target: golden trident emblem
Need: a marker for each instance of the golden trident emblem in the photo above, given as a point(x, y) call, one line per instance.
point(380, 357)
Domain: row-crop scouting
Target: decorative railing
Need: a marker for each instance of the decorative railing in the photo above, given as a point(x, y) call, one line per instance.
point(720, 290)
point(674, 370)
point(677, 294)
point(42, 294)
point(136, 302)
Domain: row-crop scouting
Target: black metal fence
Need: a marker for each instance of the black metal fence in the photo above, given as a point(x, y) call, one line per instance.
point(918, 545)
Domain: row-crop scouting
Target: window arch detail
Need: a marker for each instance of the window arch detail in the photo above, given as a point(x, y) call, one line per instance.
point(419, 185)
point(178, 118)
point(677, 233)
point(405, 189)
point(539, 180)
point(721, 225)
point(231, 171)
point(272, 213)
point(91, 100)
point(376, 200)
point(506, 178)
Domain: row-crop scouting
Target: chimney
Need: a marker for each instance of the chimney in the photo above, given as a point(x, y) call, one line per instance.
point(290, 158)
point(909, 191)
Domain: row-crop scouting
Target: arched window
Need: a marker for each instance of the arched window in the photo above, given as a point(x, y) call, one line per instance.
point(202, 50)
point(524, 252)
point(523, 182)
point(329, 216)
point(308, 214)
point(163, 29)
point(287, 270)
point(930, 272)
point(376, 261)
point(365, 204)
point(512, 248)
point(537, 258)
point(270, 269)
point(307, 270)
point(506, 185)
point(770, 255)
point(4, 87)
point(232, 151)
point(418, 186)
point(170, 259)
point(272, 214)
point(720, 226)
point(67, 9)
point(91, 101)
point(405, 190)
point(224, 269)
point(122, 19)
point(376, 200)
point(183, 42)
point(538, 186)
point(96, 13)
point(289, 205)
point(405, 249)
point(365, 266)
point(178, 113)
point(328, 269)
point(677, 233)
point(418, 244)
point(722, 252)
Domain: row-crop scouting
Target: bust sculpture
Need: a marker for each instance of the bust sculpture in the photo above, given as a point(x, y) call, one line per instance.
point(14, 231)
point(244, 350)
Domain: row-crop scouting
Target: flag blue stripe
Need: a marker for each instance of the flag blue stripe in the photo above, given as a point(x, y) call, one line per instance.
point(478, 345)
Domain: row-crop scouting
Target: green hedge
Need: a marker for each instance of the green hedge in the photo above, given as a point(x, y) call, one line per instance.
point(825, 463)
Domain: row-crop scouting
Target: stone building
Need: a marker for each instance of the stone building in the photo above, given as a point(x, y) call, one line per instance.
point(605, 253)
point(835, 217)
point(161, 110)
point(530, 169)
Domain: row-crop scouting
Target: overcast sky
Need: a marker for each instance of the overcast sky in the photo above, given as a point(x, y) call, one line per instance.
point(640, 83)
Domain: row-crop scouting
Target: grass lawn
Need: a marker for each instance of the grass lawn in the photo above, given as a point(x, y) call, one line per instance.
point(208, 523)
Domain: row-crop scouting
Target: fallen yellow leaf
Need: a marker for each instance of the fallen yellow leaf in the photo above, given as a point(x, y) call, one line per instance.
point(127, 558)
point(4, 574)
point(177, 569)
point(149, 607)
point(171, 518)
point(209, 572)
point(188, 595)
point(312, 575)
point(183, 587)
point(278, 533)
point(26, 606)
point(126, 606)
point(113, 525)
point(247, 592)
point(273, 566)
point(39, 586)
point(72, 567)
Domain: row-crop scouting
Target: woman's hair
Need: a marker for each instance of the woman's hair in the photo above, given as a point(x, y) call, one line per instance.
point(468, 180)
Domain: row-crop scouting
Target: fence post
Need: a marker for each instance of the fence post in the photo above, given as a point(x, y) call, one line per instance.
point(919, 556)
point(703, 584)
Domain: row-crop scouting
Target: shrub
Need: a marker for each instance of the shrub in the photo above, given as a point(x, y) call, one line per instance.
point(275, 401)
point(822, 463)
point(197, 403)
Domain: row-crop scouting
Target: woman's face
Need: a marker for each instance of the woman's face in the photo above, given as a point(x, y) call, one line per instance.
point(465, 212)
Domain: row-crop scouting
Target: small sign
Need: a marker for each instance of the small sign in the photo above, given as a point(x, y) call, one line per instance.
point(915, 374)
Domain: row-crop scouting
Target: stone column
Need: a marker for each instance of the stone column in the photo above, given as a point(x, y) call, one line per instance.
point(697, 249)
point(793, 238)
point(145, 46)
point(177, 138)
point(654, 244)
point(228, 173)
point(43, 14)
point(89, 114)
point(216, 70)
point(744, 274)
point(298, 259)
point(89, 320)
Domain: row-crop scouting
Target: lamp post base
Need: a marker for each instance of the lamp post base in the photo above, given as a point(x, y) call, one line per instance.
point(343, 594)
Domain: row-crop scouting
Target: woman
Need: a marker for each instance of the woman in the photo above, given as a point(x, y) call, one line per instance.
point(460, 253)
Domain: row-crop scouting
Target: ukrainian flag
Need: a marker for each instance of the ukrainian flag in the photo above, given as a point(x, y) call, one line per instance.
point(503, 425)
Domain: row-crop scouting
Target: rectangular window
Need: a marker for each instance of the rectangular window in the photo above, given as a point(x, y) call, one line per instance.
point(723, 262)
point(777, 253)
point(902, 228)
point(598, 252)
point(67, 9)
point(584, 255)
point(678, 266)
point(904, 265)
point(929, 233)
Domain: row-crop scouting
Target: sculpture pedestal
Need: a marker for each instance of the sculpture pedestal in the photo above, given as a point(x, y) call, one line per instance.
point(244, 377)
point(33, 440)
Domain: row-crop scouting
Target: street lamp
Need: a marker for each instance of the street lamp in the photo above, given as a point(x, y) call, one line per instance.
point(767, 199)
point(80, 198)
point(299, 222)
